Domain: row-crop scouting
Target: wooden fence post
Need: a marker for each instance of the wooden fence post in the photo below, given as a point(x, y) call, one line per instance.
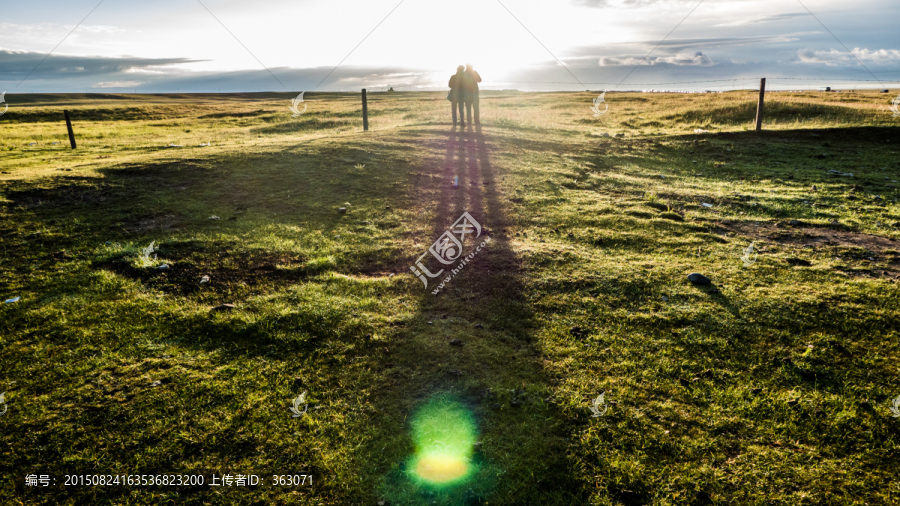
point(69, 126)
point(365, 111)
point(761, 105)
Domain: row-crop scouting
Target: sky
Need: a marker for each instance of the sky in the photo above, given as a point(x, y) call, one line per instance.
point(532, 45)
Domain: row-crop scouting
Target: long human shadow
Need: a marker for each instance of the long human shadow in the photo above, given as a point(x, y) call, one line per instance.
point(494, 369)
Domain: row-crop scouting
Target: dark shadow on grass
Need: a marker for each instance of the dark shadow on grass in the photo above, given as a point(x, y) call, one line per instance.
point(487, 293)
point(715, 294)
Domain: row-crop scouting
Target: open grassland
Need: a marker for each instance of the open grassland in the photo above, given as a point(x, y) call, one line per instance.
point(771, 385)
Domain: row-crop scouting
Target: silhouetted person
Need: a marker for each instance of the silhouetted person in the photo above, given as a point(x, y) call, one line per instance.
point(470, 93)
point(456, 95)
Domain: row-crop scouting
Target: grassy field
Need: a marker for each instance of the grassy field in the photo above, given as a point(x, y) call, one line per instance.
point(771, 385)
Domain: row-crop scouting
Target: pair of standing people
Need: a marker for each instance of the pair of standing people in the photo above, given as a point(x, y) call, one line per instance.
point(464, 92)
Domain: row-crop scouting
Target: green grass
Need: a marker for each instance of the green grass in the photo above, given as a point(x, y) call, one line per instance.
point(715, 395)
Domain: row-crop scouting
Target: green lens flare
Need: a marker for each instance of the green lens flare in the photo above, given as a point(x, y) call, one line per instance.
point(444, 434)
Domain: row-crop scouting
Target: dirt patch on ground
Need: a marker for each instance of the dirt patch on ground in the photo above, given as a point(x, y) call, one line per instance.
point(805, 235)
point(76, 191)
point(675, 199)
point(858, 255)
point(158, 222)
point(228, 272)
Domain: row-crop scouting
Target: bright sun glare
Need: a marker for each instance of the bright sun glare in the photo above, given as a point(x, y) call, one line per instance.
point(442, 36)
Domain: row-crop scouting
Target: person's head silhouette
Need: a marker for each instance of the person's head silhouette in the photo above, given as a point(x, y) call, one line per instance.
point(468, 66)
point(460, 69)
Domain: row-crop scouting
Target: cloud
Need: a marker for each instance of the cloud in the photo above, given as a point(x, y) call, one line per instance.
point(22, 62)
point(118, 84)
point(767, 19)
point(67, 72)
point(600, 4)
point(682, 52)
point(836, 57)
point(719, 42)
point(15, 31)
point(677, 45)
point(690, 59)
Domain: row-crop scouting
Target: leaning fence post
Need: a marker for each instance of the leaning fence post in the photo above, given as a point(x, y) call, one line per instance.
point(761, 105)
point(365, 111)
point(69, 126)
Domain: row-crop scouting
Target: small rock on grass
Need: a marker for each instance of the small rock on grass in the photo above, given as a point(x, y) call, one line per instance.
point(456, 342)
point(224, 307)
point(204, 280)
point(698, 279)
point(342, 210)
